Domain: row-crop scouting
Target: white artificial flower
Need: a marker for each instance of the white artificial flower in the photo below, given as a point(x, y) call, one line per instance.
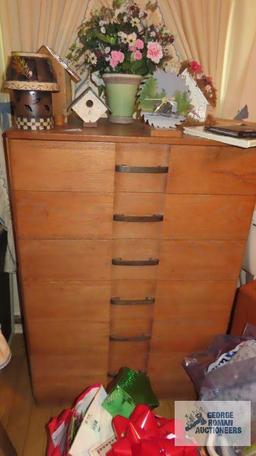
point(103, 29)
point(102, 23)
point(107, 50)
point(135, 22)
point(131, 39)
point(93, 58)
point(153, 34)
point(124, 38)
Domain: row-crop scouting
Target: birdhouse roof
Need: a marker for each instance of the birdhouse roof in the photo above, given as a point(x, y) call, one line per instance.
point(45, 49)
point(83, 95)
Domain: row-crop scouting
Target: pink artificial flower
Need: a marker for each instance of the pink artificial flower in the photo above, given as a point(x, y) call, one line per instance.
point(139, 44)
point(137, 55)
point(195, 66)
point(116, 58)
point(154, 51)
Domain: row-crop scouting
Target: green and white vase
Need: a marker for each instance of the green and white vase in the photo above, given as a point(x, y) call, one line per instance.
point(121, 90)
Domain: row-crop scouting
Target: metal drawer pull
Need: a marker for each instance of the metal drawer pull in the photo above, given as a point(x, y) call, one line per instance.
point(121, 262)
point(141, 169)
point(138, 218)
point(132, 302)
point(140, 338)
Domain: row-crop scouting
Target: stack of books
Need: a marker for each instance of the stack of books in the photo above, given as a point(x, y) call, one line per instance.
point(242, 135)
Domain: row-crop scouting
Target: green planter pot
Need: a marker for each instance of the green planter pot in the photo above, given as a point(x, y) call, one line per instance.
point(121, 92)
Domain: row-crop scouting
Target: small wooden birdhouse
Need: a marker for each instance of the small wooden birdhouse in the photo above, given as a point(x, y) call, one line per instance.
point(88, 106)
point(62, 99)
point(88, 83)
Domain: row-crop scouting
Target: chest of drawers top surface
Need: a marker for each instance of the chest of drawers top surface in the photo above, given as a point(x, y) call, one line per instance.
point(107, 132)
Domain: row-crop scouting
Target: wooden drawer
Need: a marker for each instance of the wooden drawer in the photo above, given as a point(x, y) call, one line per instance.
point(65, 260)
point(188, 336)
point(207, 216)
point(200, 260)
point(131, 309)
point(175, 383)
point(212, 170)
point(49, 215)
point(147, 207)
point(70, 337)
point(135, 251)
point(61, 300)
point(138, 182)
point(61, 165)
point(131, 320)
point(190, 299)
point(133, 353)
point(63, 377)
point(133, 289)
point(153, 157)
point(139, 154)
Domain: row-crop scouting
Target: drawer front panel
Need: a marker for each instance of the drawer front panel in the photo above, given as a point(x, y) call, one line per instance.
point(183, 300)
point(63, 377)
point(131, 320)
point(151, 183)
point(142, 154)
point(60, 165)
point(69, 337)
point(207, 216)
point(127, 273)
point(133, 289)
point(173, 335)
point(175, 383)
point(194, 260)
point(56, 215)
point(140, 204)
point(134, 353)
point(65, 260)
point(67, 300)
point(135, 250)
point(212, 170)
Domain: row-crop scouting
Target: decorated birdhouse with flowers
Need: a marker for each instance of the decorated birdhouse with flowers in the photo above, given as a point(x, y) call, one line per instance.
point(200, 88)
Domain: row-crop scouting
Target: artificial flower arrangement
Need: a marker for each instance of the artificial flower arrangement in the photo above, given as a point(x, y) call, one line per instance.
point(121, 39)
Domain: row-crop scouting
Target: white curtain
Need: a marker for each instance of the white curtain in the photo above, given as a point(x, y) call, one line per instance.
point(237, 84)
point(27, 24)
point(218, 33)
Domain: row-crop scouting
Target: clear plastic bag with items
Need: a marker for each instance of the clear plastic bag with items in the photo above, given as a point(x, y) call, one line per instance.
point(227, 369)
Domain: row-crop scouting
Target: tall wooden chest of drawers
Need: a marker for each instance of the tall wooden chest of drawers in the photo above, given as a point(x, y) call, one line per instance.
point(129, 249)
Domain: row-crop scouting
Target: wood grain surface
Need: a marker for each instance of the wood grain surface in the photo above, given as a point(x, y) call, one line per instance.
point(66, 187)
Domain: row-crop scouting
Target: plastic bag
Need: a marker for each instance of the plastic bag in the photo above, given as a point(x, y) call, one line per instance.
point(218, 375)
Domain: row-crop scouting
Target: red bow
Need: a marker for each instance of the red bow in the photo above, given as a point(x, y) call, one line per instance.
point(145, 434)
